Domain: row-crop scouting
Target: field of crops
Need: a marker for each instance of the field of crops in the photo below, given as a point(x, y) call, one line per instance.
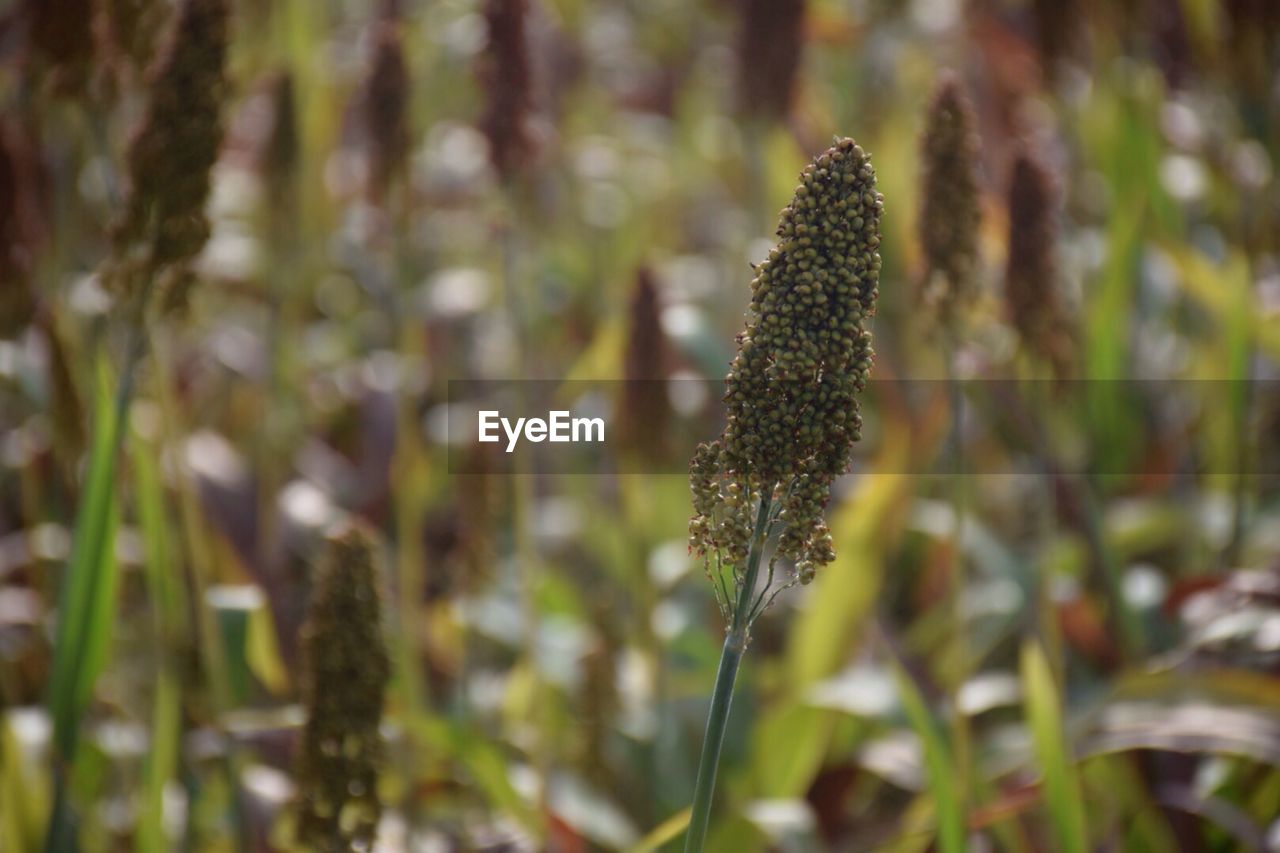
point(566, 425)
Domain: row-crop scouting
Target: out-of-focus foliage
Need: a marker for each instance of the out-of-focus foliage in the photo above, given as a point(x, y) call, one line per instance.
point(1075, 644)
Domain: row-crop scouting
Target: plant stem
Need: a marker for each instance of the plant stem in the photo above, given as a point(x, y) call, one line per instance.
point(74, 649)
point(523, 496)
point(956, 579)
point(717, 719)
point(1242, 409)
point(735, 643)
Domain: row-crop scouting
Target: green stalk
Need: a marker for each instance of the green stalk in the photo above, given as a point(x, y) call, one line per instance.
point(1045, 621)
point(735, 643)
point(88, 583)
point(522, 496)
point(717, 719)
point(167, 607)
point(960, 724)
point(410, 497)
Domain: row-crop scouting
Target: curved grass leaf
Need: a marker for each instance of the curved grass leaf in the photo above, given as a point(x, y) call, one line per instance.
point(167, 607)
point(88, 585)
point(1061, 784)
point(22, 806)
point(938, 761)
point(669, 830)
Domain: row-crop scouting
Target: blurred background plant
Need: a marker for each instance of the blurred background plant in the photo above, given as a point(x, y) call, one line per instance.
point(1074, 644)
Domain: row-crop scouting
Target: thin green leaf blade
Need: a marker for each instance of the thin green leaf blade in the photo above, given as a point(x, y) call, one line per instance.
point(1061, 782)
point(669, 830)
point(939, 764)
point(88, 588)
point(23, 810)
point(162, 760)
point(162, 763)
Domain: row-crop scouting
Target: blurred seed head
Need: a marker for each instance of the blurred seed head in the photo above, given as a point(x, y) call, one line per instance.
point(130, 28)
point(163, 226)
point(949, 209)
point(16, 302)
point(386, 106)
point(506, 79)
point(769, 48)
point(61, 37)
point(1031, 278)
point(791, 397)
point(645, 409)
point(23, 224)
point(1254, 39)
point(10, 231)
point(344, 679)
point(1058, 28)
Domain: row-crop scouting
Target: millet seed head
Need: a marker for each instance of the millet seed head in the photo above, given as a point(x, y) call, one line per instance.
point(129, 29)
point(791, 395)
point(1058, 29)
point(1253, 31)
point(61, 38)
point(24, 223)
point(505, 77)
point(645, 410)
point(345, 671)
point(949, 208)
point(17, 303)
point(163, 226)
point(770, 43)
point(1032, 300)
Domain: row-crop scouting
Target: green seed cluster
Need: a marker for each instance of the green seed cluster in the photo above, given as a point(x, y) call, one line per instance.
point(163, 226)
point(345, 673)
point(792, 390)
point(949, 210)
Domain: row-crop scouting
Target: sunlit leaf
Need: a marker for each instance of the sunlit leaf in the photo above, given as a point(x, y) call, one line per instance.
point(1053, 753)
point(844, 592)
point(941, 766)
point(669, 830)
